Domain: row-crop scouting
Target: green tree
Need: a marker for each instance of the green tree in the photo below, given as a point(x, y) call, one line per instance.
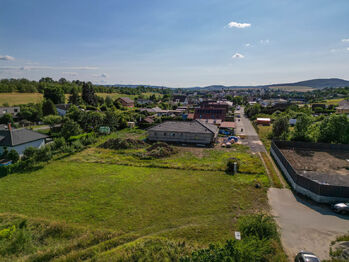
point(6, 119)
point(280, 127)
point(48, 108)
point(75, 98)
point(109, 101)
point(52, 120)
point(55, 94)
point(301, 129)
point(88, 94)
point(70, 128)
point(334, 129)
point(13, 155)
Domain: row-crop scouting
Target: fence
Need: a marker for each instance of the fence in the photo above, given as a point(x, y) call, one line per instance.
point(315, 190)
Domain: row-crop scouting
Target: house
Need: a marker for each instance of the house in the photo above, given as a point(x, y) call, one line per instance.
point(227, 127)
point(292, 122)
point(343, 107)
point(210, 113)
point(12, 110)
point(322, 106)
point(20, 139)
point(62, 109)
point(125, 101)
point(263, 121)
point(182, 99)
point(144, 102)
point(191, 132)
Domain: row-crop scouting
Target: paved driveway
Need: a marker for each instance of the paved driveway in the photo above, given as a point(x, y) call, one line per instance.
point(305, 225)
point(252, 139)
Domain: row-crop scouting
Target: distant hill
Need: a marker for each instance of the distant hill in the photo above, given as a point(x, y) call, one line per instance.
point(307, 85)
point(318, 83)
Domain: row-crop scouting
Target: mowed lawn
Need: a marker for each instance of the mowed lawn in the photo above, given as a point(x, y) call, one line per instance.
point(180, 204)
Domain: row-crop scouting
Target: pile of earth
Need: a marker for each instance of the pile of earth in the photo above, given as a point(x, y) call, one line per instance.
point(118, 143)
point(157, 150)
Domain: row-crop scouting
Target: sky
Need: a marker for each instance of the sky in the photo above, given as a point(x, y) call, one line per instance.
point(175, 43)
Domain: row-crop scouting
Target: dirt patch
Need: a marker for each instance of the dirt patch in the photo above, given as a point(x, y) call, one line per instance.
point(329, 166)
point(118, 143)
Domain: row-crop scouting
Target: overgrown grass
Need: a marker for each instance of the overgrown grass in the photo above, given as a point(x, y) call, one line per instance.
point(264, 132)
point(274, 176)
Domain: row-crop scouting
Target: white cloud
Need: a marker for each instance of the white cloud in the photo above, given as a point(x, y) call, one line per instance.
point(264, 42)
point(347, 48)
point(103, 75)
point(6, 58)
point(48, 68)
point(345, 40)
point(248, 45)
point(237, 55)
point(238, 25)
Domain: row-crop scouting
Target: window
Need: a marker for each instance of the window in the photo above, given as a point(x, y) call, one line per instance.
point(16, 110)
point(164, 134)
point(173, 134)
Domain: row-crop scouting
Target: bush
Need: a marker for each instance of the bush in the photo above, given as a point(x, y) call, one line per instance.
point(118, 143)
point(77, 145)
point(43, 154)
point(230, 165)
point(13, 155)
point(59, 142)
point(260, 226)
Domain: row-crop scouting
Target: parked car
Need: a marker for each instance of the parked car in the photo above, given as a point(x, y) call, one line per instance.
point(304, 256)
point(342, 208)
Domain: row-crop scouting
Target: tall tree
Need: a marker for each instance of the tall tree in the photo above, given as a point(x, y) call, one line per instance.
point(48, 108)
point(55, 94)
point(280, 127)
point(75, 97)
point(301, 129)
point(88, 94)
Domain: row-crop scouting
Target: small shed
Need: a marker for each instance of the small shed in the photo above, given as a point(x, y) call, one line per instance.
point(263, 121)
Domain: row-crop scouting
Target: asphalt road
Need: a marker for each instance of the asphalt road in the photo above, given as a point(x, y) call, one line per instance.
point(252, 138)
point(304, 224)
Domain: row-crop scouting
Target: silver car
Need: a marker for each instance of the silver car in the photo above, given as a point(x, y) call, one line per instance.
point(304, 256)
point(342, 208)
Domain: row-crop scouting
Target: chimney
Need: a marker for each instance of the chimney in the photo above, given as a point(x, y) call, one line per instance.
point(9, 127)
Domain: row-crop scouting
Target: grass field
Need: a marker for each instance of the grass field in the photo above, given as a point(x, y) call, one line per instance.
point(20, 98)
point(25, 98)
point(263, 132)
point(108, 205)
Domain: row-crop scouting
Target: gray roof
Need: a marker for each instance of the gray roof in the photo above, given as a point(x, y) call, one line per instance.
point(126, 100)
point(19, 136)
point(343, 104)
point(195, 126)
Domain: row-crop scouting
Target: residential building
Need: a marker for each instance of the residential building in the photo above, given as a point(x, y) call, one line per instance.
point(192, 132)
point(20, 139)
point(343, 107)
point(210, 113)
point(182, 99)
point(125, 101)
point(12, 110)
point(62, 109)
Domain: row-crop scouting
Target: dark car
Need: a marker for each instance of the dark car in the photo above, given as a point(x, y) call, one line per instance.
point(306, 257)
point(342, 208)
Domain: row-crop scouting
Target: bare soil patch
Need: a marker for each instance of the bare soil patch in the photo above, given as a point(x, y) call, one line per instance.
point(329, 166)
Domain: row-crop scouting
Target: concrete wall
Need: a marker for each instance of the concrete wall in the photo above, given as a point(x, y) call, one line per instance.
point(302, 190)
point(180, 137)
point(20, 148)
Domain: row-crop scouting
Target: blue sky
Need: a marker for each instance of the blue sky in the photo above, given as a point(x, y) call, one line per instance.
point(175, 43)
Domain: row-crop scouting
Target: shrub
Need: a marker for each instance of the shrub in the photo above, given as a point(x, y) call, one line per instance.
point(13, 155)
point(260, 226)
point(77, 145)
point(43, 154)
point(59, 142)
point(118, 143)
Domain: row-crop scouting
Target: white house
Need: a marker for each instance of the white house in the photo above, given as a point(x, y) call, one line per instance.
point(20, 139)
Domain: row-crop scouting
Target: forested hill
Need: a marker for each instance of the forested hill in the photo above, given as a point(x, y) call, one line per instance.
point(319, 83)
